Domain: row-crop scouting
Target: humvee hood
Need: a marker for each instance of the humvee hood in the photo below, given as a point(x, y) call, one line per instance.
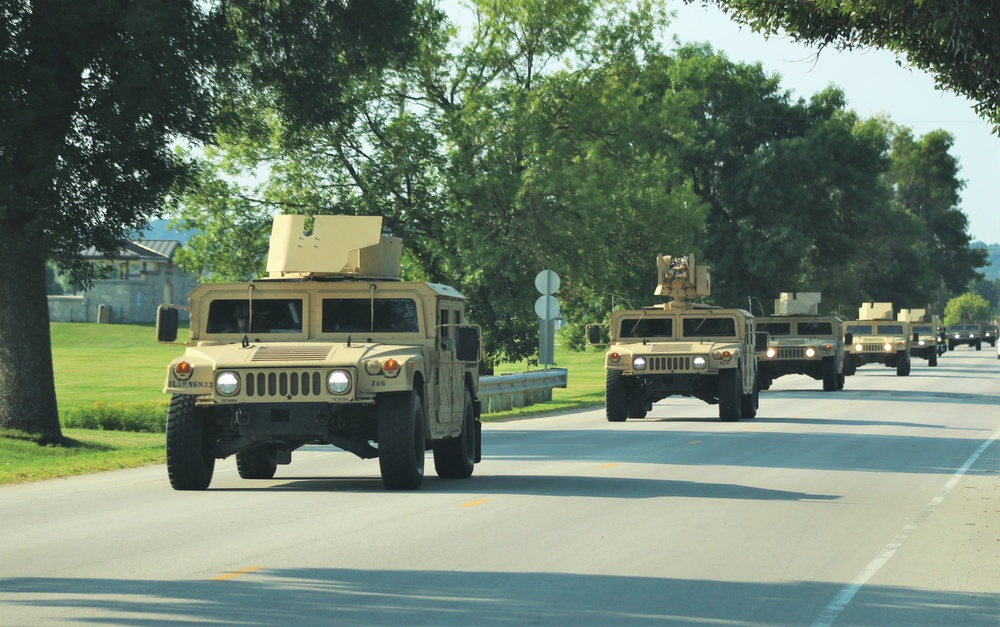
point(296, 354)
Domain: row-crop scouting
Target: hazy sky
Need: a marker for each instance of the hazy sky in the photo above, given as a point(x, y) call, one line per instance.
point(874, 84)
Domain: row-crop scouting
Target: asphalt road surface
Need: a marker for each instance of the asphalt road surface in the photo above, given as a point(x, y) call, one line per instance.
point(876, 505)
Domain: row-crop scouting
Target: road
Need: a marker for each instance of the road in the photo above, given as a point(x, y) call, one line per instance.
point(877, 505)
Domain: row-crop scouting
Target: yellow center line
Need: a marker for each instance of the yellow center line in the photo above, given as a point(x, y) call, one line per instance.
point(611, 465)
point(474, 503)
point(695, 442)
point(237, 573)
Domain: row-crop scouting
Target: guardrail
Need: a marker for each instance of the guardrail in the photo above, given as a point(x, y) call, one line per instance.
point(507, 391)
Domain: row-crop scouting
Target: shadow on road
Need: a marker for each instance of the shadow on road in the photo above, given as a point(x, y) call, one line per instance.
point(341, 596)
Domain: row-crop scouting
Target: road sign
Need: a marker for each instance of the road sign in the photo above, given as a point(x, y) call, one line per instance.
point(547, 307)
point(546, 282)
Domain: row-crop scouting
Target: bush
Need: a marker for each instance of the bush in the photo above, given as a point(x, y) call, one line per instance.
point(139, 417)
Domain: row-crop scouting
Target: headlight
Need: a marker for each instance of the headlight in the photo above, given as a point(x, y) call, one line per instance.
point(859, 348)
point(921, 343)
point(887, 347)
point(339, 382)
point(810, 352)
point(771, 353)
point(699, 362)
point(639, 363)
point(958, 336)
point(227, 383)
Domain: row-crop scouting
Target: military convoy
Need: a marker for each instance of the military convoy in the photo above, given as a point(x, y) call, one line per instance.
point(924, 331)
point(801, 341)
point(875, 337)
point(680, 348)
point(330, 348)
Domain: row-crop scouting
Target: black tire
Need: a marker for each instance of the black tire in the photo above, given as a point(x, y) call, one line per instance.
point(455, 458)
point(190, 464)
point(932, 360)
point(401, 440)
point(829, 374)
point(730, 395)
point(765, 381)
point(636, 408)
point(615, 398)
point(979, 345)
point(259, 461)
point(902, 364)
point(951, 345)
point(849, 368)
point(749, 402)
point(841, 379)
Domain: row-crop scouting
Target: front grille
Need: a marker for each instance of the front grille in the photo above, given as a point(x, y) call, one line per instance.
point(874, 348)
point(286, 384)
point(791, 353)
point(669, 364)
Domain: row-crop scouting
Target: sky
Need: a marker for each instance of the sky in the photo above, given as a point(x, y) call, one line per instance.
point(874, 85)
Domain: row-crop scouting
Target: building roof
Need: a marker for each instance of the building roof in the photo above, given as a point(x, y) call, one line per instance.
point(161, 250)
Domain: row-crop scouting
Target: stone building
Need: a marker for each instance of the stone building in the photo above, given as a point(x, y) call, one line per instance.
point(145, 276)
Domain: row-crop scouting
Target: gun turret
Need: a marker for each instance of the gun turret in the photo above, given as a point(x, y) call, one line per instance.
point(681, 279)
point(797, 303)
point(345, 246)
point(875, 311)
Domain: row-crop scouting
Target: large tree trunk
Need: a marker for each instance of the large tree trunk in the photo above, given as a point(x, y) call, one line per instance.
point(27, 381)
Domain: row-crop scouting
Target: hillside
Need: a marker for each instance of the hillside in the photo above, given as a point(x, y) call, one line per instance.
point(991, 271)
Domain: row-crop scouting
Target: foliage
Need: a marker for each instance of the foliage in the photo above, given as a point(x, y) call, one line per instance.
point(93, 97)
point(955, 40)
point(990, 291)
point(136, 417)
point(968, 307)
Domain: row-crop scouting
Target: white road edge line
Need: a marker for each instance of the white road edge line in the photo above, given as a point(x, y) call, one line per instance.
point(841, 601)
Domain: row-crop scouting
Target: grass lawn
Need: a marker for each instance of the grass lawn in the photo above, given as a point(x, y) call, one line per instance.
point(115, 363)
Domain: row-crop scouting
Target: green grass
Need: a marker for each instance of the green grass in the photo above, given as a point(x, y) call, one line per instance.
point(112, 364)
point(82, 452)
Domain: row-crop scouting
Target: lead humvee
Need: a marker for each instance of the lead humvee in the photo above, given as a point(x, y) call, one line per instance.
point(330, 348)
point(680, 348)
point(970, 334)
point(802, 341)
point(876, 338)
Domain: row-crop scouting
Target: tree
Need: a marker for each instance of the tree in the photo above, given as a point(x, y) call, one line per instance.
point(968, 307)
point(957, 41)
point(95, 94)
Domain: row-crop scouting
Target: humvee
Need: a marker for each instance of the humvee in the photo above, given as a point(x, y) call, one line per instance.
point(876, 338)
point(924, 328)
point(330, 348)
point(969, 334)
point(801, 341)
point(679, 348)
point(990, 333)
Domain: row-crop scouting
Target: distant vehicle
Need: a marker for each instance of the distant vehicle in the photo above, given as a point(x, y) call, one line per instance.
point(680, 348)
point(965, 334)
point(801, 341)
point(990, 334)
point(330, 348)
point(876, 338)
point(924, 332)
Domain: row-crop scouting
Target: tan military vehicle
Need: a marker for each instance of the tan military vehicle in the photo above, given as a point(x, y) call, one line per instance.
point(923, 329)
point(330, 348)
point(967, 333)
point(801, 341)
point(680, 348)
point(875, 337)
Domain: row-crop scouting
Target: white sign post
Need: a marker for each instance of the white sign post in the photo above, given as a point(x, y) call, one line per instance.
point(547, 310)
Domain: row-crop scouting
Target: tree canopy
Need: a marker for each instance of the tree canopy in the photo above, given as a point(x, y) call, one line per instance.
point(93, 98)
point(957, 41)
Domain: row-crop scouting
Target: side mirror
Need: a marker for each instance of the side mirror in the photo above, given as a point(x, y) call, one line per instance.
point(848, 338)
point(760, 341)
point(594, 335)
point(916, 337)
point(167, 321)
point(467, 344)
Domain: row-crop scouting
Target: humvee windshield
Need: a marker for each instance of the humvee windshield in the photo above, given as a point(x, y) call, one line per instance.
point(925, 330)
point(859, 329)
point(775, 328)
point(890, 329)
point(815, 328)
point(647, 327)
point(364, 315)
point(709, 327)
point(262, 315)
